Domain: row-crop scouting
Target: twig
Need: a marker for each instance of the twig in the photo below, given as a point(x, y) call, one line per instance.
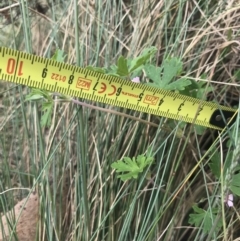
point(9, 7)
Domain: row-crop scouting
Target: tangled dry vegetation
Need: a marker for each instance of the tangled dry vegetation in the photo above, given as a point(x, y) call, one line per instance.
point(207, 41)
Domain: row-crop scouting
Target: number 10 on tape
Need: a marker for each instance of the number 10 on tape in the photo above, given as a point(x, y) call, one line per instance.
point(43, 73)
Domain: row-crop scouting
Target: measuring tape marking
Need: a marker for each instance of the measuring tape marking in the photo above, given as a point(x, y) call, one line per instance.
point(38, 72)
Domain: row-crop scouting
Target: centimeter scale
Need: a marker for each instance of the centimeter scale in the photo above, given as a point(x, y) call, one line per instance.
point(37, 72)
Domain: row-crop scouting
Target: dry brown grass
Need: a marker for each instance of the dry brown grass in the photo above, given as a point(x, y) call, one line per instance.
point(207, 43)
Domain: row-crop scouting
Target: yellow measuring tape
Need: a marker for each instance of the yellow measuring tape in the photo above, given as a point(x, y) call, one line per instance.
point(43, 73)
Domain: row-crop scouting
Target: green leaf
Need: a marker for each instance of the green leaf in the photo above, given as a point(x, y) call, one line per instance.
point(122, 68)
point(203, 217)
point(191, 90)
point(172, 67)
point(235, 190)
point(37, 94)
point(58, 56)
point(215, 164)
point(149, 161)
point(97, 69)
point(197, 217)
point(169, 69)
point(236, 180)
point(46, 118)
point(141, 161)
point(179, 84)
point(33, 97)
point(125, 177)
point(203, 92)
point(153, 73)
point(120, 166)
point(199, 129)
point(227, 163)
point(142, 59)
point(237, 168)
point(131, 167)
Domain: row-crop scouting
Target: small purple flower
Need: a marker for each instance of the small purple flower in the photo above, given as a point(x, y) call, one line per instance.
point(229, 200)
point(136, 80)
